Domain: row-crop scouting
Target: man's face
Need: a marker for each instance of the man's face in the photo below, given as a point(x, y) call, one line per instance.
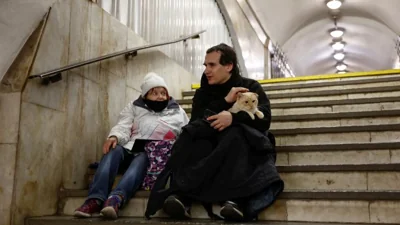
point(215, 72)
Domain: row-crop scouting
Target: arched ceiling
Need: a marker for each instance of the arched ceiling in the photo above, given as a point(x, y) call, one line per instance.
point(301, 28)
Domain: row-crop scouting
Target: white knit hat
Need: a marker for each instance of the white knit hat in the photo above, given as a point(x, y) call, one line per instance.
point(152, 80)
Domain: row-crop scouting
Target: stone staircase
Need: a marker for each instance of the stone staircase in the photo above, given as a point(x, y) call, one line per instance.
point(338, 144)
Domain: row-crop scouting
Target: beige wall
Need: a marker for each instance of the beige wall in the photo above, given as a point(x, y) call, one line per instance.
point(55, 131)
point(23, 14)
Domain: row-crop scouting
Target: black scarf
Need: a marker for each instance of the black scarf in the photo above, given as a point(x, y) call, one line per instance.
point(156, 106)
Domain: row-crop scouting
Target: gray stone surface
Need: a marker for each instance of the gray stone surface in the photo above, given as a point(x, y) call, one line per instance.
point(152, 60)
point(328, 211)
point(131, 95)
point(52, 54)
point(15, 78)
point(86, 34)
point(325, 181)
point(64, 125)
point(276, 212)
point(114, 38)
point(116, 96)
point(95, 129)
point(386, 136)
point(340, 158)
point(39, 161)
point(395, 156)
point(334, 138)
point(7, 166)
point(9, 117)
point(79, 33)
point(385, 212)
point(85, 134)
point(12, 39)
point(73, 147)
point(384, 181)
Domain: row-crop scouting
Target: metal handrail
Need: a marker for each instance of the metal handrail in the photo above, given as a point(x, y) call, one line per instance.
point(127, 53)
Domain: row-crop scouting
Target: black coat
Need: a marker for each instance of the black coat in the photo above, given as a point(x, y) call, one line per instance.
point(211, 166)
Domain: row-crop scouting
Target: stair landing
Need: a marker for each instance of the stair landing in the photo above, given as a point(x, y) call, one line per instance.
point(67, 220)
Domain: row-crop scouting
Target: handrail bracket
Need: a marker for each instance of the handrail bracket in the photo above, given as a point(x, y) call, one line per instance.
point(52, 79)
point(130, 55)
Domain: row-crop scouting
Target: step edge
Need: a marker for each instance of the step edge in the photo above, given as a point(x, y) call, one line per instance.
point(326, 103)
point(379, 89)
point(336, 115)
point(294, 194)
point(339, 129)
point(158, 221)
point(339, 147)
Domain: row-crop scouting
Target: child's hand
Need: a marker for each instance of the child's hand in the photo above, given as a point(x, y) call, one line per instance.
point(111, 141)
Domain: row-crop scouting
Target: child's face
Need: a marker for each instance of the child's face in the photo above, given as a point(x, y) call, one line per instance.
point(157, 94)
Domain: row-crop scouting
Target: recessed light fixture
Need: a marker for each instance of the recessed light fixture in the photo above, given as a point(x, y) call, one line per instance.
point(337, 46)
point(339, 56)
point(334, 4)
point(341, 67)
point(337, 33)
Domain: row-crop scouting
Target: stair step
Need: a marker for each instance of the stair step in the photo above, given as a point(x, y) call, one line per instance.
point(334, 102)
point(342, 129)
point(335, 81)
point(378, 156)
point(346, 181)
point(306, 210)
point(310, 106)
point(332, 109)
point(327, 168)
point(340, 168)
point(67, 220)
point(287, 194)
point(322, 97)
point(338, 138)
point(312, 93)
point(373, 177)
point(325, 93)
point(334, 123)
point(335, 115)
point(341, 84)
point(338, 147)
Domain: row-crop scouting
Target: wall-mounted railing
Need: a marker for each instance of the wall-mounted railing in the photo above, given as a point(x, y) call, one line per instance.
point(55, 75)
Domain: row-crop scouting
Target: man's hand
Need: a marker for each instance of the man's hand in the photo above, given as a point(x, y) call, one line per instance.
point(111, 141)
point(221, 121)
point(232, 95)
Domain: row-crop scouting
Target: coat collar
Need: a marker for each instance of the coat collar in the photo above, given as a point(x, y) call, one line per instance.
point(172, 104)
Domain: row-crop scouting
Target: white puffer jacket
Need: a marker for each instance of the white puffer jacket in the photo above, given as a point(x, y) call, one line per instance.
point(137, 121)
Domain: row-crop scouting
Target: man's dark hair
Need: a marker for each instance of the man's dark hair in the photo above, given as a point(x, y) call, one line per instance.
point(228, 56)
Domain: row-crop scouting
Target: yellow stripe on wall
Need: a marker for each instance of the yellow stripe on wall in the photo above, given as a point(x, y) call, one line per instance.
point(323, 77)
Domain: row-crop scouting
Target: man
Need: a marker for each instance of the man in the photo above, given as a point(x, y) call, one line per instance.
point(221, 157)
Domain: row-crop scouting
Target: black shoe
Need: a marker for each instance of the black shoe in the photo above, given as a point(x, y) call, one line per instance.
point(231, 212)
point(175, 208)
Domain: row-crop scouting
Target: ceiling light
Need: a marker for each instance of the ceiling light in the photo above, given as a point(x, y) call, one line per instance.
point(339, 56)
point(338, 46)
point(337, 33)
point(334, 4)
point(341, 67)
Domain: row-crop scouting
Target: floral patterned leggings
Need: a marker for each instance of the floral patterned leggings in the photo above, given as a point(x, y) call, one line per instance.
point(158, 153)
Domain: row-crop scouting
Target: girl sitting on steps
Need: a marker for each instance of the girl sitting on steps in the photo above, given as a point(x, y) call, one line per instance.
point(146, 126)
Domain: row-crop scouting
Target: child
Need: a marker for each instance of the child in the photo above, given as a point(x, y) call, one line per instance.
point(153, 119)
